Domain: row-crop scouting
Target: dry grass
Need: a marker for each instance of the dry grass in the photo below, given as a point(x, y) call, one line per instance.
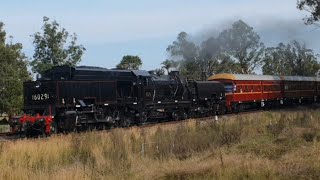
point(266, 145)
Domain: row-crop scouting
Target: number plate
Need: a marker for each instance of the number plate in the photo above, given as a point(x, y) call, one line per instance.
point(40, 97)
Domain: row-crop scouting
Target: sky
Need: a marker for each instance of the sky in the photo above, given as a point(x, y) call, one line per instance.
point(111, 29)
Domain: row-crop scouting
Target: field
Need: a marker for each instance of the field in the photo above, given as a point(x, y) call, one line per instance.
point(264, 145)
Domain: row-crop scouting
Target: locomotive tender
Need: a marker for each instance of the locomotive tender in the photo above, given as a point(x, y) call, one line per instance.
point(68, 99)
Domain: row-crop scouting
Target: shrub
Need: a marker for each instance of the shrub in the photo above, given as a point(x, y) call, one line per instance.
point(310, 135)
point(277, 128)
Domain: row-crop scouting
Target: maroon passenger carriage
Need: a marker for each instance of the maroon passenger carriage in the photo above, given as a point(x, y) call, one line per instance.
point(299, 89)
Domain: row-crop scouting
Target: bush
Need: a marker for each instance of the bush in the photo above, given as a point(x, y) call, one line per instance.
point(4, 121)
point(277, 128)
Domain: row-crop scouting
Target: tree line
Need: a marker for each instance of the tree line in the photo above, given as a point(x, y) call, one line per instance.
point(237, 49)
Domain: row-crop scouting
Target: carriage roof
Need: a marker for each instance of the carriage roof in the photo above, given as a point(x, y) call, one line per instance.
point(244, 77)
point(248, 77)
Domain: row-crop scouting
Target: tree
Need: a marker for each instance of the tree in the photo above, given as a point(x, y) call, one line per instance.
point(302, 60)
point(13, 73)
point(214, 59)
point(209, 55)
point(313, 7)
point(187, 54)
point(168, 64)
point(225, 65)
point(130, 62)
point(275, 61)
point(191, 69)
point(243, 44)
point(183, 48)
point(235, 50)
point(291, 59)
point(53, 47)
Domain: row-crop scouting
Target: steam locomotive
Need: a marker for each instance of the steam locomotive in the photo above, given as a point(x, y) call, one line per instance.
point(67, 99)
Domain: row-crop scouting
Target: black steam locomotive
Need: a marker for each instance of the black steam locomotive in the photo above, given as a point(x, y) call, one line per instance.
point(68, 99)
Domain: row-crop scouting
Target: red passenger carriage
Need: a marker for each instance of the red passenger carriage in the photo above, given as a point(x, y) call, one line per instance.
point(243, 91)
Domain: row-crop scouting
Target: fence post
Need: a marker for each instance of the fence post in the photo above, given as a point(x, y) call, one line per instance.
point(142, 149)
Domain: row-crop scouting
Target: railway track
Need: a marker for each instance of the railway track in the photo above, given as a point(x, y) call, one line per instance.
point(5, 137)
point(12, 137)
point(211, 118)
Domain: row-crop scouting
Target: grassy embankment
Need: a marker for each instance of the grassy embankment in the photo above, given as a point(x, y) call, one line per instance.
point(266, 145)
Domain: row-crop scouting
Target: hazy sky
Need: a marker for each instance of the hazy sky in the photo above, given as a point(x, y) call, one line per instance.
point(111, 29)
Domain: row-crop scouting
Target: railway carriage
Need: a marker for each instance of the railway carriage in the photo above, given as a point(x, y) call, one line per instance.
point(299, 89)
point(317, 98)
point(246, 91)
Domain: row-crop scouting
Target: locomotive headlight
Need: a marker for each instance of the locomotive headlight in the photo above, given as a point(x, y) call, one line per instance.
point(38, 84)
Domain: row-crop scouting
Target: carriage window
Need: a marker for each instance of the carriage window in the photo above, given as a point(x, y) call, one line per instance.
point(228, 87)
point(239, 89)
point(286, 87)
